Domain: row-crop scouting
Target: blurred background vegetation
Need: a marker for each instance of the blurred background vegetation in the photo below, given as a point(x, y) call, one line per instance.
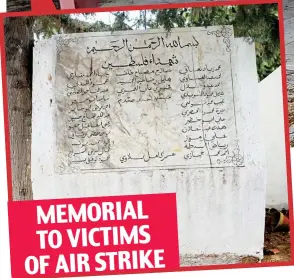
point(257, 22)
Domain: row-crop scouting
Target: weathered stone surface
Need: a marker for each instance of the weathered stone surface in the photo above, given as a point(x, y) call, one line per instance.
point(146, 101)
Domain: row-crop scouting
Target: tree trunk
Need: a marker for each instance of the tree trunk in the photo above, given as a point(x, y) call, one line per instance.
point(289, 44)
point(18, 45)
point(18, 5)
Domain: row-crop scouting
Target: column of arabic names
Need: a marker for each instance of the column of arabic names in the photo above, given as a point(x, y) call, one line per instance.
point(88, 119)
point(203, 106)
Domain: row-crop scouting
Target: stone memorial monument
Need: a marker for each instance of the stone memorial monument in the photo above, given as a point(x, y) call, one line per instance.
point(143, 112)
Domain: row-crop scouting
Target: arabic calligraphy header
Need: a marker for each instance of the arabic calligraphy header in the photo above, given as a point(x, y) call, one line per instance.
point(150, 44)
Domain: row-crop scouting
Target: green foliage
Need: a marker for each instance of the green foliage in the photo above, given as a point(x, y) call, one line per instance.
point(120, 22)
point(257, 22)
point(47, 26)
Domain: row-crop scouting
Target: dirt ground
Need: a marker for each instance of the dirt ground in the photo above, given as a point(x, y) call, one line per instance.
point(277, 248)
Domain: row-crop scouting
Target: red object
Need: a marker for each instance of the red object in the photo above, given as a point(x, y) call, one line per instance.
point(41, 6)
point(48, 5)
point(284, 221)
point(275, 251)
point(25, 242)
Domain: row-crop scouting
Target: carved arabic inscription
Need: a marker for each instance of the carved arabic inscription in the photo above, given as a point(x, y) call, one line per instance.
point(146, 101)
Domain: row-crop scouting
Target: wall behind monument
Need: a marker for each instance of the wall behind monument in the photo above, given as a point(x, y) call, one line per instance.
point(272, 116)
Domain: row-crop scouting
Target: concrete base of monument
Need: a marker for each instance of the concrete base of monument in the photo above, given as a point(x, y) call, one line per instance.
point(188, 260)
point(276, 249)
point(213, 259)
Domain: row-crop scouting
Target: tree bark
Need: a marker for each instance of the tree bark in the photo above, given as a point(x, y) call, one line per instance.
point(18, 46)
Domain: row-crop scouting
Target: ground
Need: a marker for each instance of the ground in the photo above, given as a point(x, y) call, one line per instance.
point(276, 241)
